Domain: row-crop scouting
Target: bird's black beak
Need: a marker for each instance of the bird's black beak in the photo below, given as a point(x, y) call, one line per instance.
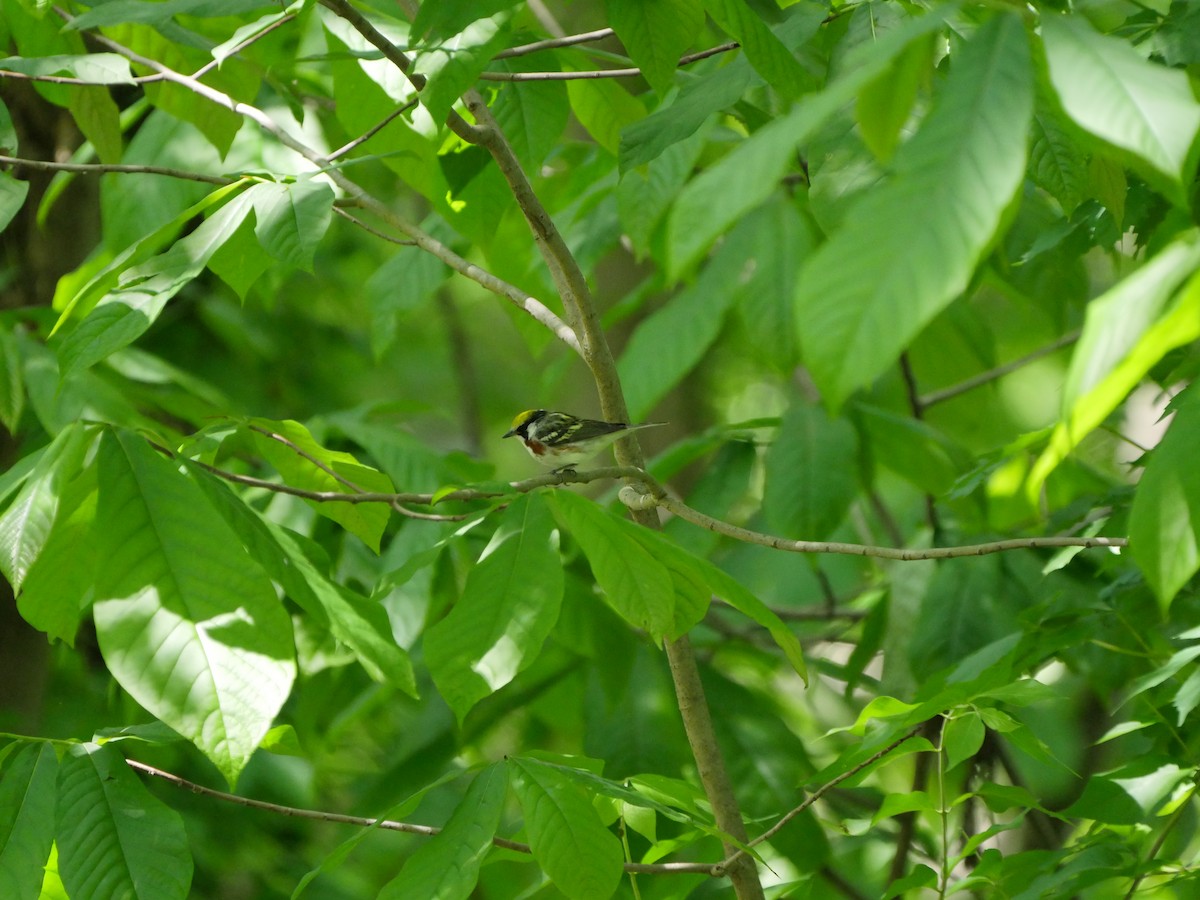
point(510, 432)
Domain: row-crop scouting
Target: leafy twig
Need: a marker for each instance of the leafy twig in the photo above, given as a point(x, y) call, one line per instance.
point(296, 812)
point(948, 393)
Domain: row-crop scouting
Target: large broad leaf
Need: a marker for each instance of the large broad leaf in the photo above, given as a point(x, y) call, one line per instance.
point(188, 624)
point(27, 791)
point(635, 584)
point(911, 246)
point(749, 174)
point(1114, 92)
point(656, 34)
point(811, 474)
point(447, 868)
point(114, 838)
point(581, 856)
point(310, 469)
point(1164, 526)
point(507, 609)
point(96, 68)
point(1127, 365)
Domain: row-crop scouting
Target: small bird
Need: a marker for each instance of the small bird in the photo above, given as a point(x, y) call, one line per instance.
point(562, 441)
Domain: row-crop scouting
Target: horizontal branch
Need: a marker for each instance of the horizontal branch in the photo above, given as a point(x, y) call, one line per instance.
point(631, 72)
point(41, 165)
point(656, 495)
point(996, 373)
point(296, 812)
point(569, 40)
point(70, 79)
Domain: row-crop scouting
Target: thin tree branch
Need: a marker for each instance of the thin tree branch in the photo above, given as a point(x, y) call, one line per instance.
point(68, 79)
point(822, 791)
point(252, 39)
point(569, 40)
point(940, 396)
point(41, 165)
point(631, 72)
point(403, 242)
point(385, 824)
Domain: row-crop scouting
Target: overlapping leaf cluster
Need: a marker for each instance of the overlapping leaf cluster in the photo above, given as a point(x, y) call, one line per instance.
point(237, 433)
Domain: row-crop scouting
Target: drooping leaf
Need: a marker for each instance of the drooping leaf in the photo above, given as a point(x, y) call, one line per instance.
point(506, 611)
point(96, 68)
point(656, 34)
point(114, 838)
point(769, 56)
point(27, 790)
point(188, 624)
point(886, 272)
point(635, 584)
point(581, 856)
point(290, 219)
point(1164, 525)
point(811, 474)
point(447, 868)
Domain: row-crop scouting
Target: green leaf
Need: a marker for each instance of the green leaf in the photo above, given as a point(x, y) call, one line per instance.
point(770, 58)
point(1115, 93)
point(60, 585)
point(452, 64)
point(26, 525)
point(97, 68)
point(1179, 326)
point(12, 198)
point(646, 139)
point(27, 791)
point(187, 623)
point(1058, 164)
point(581, 856)
point(811, 474)
point(122, 11)
point(886, 273)
point(635, 584)
point(294, 563)
point(99, 119)
point(115, 839)
point(532, 114)
point(962, 736)
point(365, 520)
point(670, 342)
point(291, 219)
point(128, 310)
point(656, 33)
point(885, 104)
point(507, 609)
point(604, 108)
point(750, 173)
point(447, 868)
point(645, 194)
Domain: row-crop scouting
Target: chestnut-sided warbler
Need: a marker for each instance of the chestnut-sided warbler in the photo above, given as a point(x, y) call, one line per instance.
point(562, 441)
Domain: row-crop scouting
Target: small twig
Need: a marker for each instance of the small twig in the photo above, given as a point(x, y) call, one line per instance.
point(821, 792)
point(385, 824)
point(68, 79)
point(568, 40)
point(41, 165)
point(631, 72)
point(983, 378)
point(369, 229)
point(374, 130)
point(304, 454)
point(252, 39)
